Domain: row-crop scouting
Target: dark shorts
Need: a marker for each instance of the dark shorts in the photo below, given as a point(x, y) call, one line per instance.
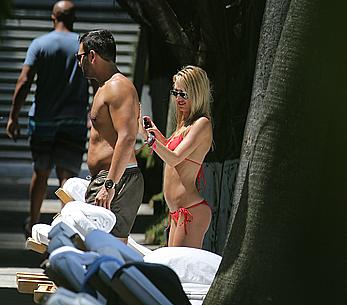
point(127, 200)
point(59, 144)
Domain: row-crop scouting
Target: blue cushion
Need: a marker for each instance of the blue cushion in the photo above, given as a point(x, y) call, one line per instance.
point(107, 244)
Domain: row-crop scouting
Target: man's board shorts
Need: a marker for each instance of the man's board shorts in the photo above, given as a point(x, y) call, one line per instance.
point(126, 201)
point(59, 143)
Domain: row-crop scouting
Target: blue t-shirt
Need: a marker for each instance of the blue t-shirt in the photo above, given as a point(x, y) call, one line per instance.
point(62, 91)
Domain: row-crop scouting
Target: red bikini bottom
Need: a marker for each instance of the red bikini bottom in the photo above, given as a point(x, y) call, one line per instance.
point(188, 217)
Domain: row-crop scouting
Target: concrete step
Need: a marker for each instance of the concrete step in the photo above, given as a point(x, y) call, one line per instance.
point(16, 241)
point(8, 275)
point(10, 296)
point(51, 206)
point(14, 212)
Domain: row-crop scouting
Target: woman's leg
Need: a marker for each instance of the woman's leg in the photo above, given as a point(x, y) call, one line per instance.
point(172, 232)
point(192, 233)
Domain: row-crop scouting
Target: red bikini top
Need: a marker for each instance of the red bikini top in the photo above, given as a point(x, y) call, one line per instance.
point(173, 142)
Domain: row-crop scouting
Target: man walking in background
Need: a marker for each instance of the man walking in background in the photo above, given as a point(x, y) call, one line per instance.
point(57, 118)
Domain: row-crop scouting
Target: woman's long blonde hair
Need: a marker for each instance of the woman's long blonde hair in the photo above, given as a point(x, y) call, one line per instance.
point(198, 88)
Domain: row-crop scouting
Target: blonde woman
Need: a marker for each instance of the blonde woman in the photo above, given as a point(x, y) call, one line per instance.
point(183, 154)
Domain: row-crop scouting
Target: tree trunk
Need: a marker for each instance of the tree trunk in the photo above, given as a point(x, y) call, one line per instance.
point(287, 243)
point(217, 188)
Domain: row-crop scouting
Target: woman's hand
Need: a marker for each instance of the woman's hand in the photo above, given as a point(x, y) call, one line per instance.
point(149, 126)
point(142, 131)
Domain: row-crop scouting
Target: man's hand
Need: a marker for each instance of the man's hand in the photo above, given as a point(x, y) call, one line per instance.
point(104, 197)
point(13, 129)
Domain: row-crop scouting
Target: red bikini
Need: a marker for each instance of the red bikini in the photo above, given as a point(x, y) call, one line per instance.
point(188, 217)
point(172, 143)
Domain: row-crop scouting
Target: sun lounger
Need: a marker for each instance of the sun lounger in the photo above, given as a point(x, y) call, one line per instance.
point(161, 276)
point(62, 234)
point(66, 266)
point(63, 196)
point(117, 267)
point(123, 273)
point(142, 250)
point(35, 283)
point(32, 244)
point(196, 268)
point(42, 291)
point(201, 265)
point(106, 244)
point(63, 296)
point(80, 216)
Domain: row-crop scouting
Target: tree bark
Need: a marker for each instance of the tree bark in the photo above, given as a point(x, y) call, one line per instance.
point(287, 239)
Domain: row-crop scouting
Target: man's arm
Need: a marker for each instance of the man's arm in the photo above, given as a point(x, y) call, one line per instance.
point(20, 93)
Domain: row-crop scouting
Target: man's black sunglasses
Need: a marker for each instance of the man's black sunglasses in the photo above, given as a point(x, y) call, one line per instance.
point(79, 56)
point(182, 94)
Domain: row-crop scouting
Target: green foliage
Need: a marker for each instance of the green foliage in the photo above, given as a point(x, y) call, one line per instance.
point(145, 153)
point(156, 234)
point(158, 199)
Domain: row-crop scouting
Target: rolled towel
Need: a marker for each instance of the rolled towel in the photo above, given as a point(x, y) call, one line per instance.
point(88, 217)
point(81, 217)
point(76, 188)
point(39, 233)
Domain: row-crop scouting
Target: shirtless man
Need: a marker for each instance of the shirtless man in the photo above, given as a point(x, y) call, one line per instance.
point(117, 183)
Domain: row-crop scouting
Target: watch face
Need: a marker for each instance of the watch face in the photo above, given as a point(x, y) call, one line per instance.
point(108, 184)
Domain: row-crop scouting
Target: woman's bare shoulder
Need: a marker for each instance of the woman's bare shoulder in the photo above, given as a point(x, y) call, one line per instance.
point(202, 122)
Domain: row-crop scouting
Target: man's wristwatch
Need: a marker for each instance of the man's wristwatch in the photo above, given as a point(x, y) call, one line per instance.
point(109, 184)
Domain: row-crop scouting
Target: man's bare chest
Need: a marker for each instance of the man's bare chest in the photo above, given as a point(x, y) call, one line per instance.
point(99, 114)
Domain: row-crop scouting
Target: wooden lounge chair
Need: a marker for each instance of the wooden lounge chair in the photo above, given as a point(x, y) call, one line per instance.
point(32, 244)
point(37, 284)
point(63, 196)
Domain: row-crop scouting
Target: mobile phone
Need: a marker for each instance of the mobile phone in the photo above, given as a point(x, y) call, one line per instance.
point(147, 122)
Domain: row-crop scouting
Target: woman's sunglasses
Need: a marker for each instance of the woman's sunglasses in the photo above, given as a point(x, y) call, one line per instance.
point(182, 94)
